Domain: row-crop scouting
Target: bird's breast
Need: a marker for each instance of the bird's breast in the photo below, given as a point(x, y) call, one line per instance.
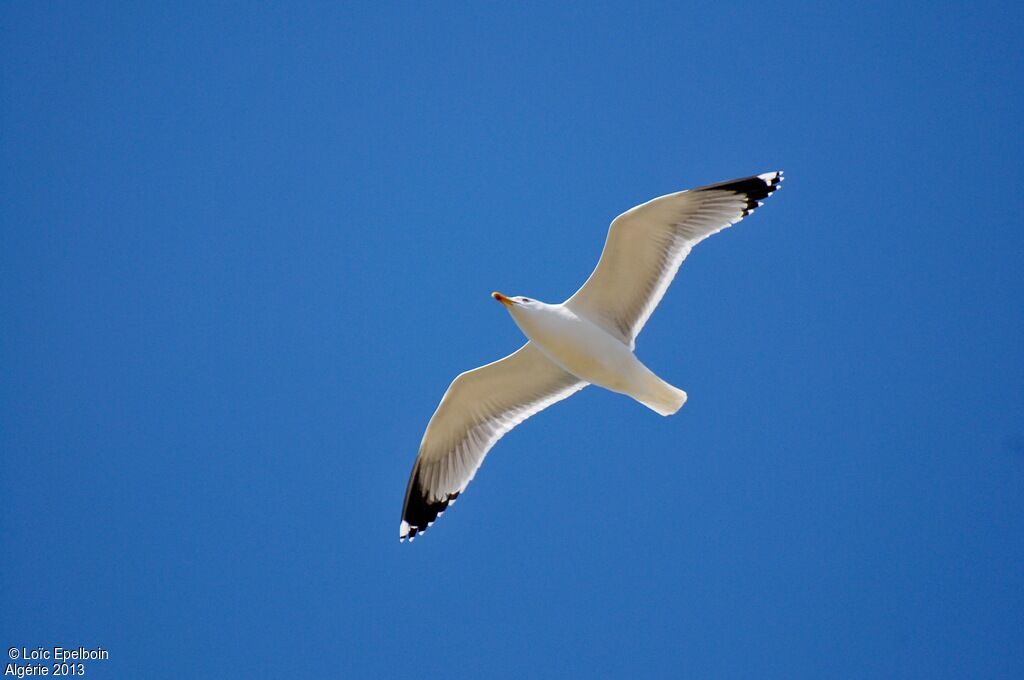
point(583, 348)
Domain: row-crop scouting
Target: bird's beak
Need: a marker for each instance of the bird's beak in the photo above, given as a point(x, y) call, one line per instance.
point(508, 302)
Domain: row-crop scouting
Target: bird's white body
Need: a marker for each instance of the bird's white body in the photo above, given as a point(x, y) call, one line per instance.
point(589, 352)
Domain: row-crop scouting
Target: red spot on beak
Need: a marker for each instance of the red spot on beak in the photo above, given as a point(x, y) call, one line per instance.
point(501, 298)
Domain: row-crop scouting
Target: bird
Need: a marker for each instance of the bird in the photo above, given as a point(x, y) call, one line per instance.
point(589, 339)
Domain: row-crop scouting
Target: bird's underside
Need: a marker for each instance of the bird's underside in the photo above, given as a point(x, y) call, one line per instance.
point(643, 251)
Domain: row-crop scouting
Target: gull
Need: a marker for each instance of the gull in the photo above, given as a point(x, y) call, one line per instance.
point(587, 340)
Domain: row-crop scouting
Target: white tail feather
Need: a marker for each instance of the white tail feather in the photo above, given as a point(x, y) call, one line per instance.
point(664, 399)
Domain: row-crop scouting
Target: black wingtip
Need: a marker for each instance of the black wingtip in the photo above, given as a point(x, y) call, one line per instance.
point(419, 513)
point(755, 189)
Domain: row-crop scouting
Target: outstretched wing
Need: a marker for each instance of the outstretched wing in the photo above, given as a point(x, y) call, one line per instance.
point(647, 244)
point(479, 407)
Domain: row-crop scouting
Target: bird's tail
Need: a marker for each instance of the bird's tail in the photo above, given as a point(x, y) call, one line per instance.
point(661, 397)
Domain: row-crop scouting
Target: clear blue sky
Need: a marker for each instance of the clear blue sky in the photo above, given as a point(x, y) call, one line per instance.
point(244, 251)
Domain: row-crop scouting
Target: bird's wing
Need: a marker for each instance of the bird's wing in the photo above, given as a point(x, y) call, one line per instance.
point(646, 245)
point(479, 407)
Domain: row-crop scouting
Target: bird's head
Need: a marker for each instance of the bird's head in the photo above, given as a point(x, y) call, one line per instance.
point(515, 304)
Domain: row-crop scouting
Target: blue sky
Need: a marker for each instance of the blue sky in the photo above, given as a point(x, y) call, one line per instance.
point(245, 249)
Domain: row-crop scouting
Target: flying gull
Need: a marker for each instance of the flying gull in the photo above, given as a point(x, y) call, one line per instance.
point(588, 339)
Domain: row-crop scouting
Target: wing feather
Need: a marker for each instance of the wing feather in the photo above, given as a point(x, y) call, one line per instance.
point(647, 244)
point(478, 409)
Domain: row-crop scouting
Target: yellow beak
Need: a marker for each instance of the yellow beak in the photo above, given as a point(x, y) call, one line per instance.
point(508, 302)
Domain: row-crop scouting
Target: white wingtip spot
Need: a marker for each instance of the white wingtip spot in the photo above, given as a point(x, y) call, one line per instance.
point(403, 531)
